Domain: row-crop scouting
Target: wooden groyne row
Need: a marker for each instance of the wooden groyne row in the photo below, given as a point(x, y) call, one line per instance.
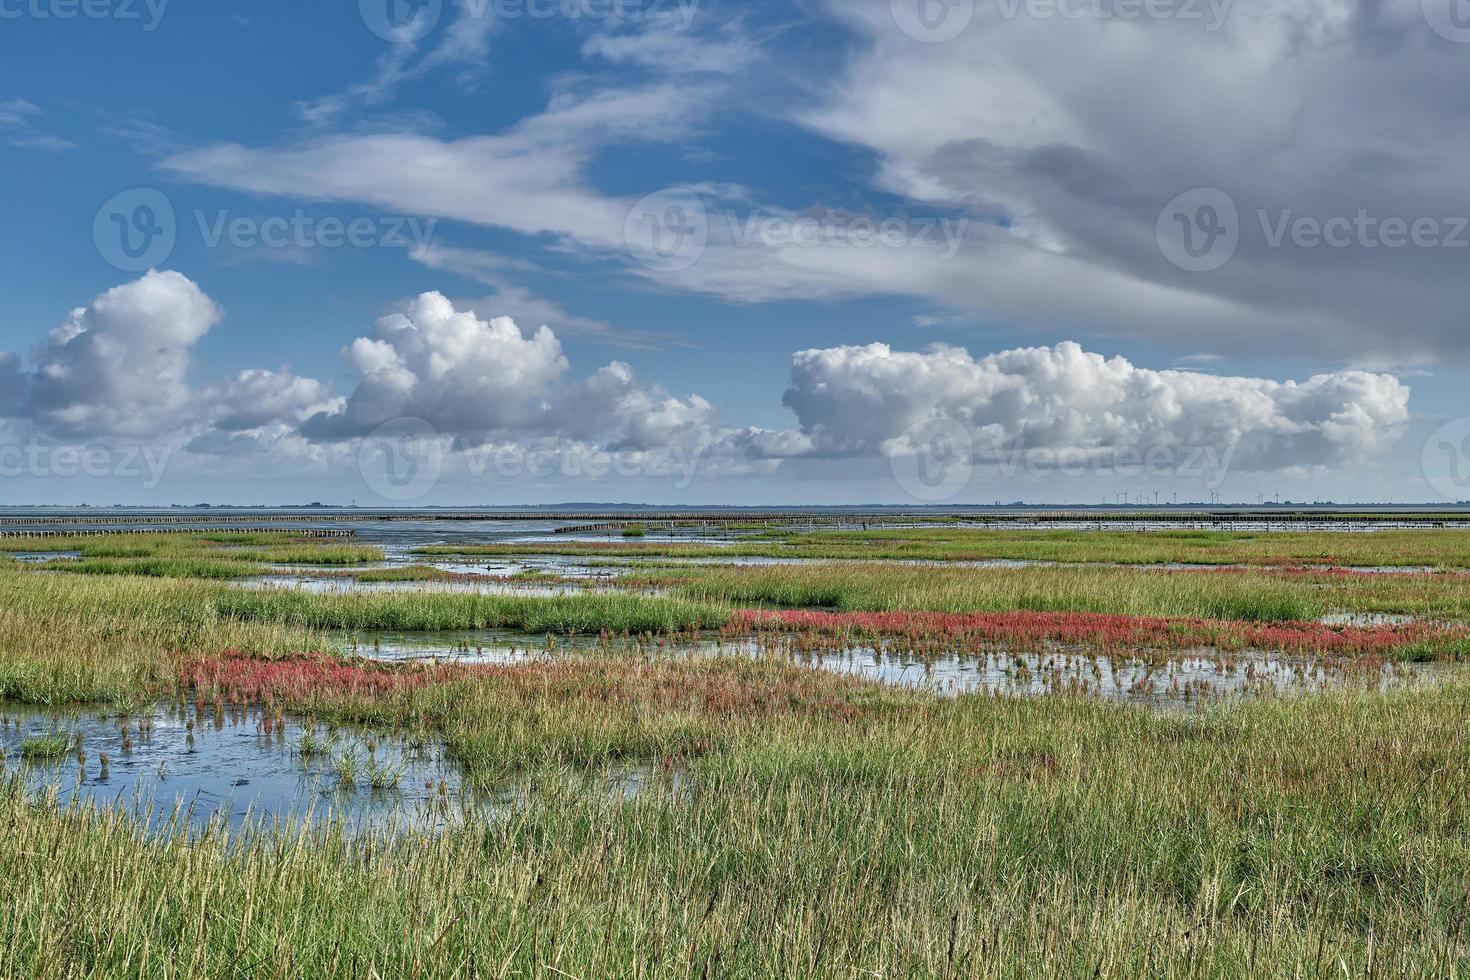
point(787, 521)
point(98, 532)
point(593, 520)
point(165, 520)
point(1225, 520)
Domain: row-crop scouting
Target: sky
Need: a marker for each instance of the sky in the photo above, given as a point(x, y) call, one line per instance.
point(492, 252)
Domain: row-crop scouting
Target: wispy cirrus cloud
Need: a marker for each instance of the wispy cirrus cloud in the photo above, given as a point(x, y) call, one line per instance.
point(18, 118)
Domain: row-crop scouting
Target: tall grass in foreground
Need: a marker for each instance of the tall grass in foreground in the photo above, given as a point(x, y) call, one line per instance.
point(1314, 837)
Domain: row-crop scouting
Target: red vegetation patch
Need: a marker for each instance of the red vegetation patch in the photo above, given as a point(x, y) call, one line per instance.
point(1320, 571)
point(732, 688)
point(1029, 630)
point(241, 678)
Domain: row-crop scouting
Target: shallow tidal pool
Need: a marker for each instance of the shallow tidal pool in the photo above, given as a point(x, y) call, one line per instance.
point(233, 764)
point(1179, 679)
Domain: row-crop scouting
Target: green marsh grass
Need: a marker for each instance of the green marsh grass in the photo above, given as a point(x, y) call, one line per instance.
point(1255, 596)
point(314, 555)
point(788, 822)
point(586, 613)
point(1441, 548)
point(72, 638)
point(159, 567)
point(973, 837)
point(67, 638)
point(53, 746)
point(209, 550)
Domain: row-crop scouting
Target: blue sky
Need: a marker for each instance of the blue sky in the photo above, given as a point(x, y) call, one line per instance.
point(1028, 172)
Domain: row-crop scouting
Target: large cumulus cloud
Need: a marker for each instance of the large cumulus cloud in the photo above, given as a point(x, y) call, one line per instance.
point(118, 365)
point(462, 374)
point(118, 368)
point(866, 400)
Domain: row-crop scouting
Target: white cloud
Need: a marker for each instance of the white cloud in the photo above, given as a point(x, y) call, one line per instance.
point(459, 373)
point(464, 44)
point(530, 179)
point(18, 112)
point(117, 369)
point(119, 365)
point(19, 116)
point(257, 397)
point(864, 401)
point(47, 144)
point(667, 47)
